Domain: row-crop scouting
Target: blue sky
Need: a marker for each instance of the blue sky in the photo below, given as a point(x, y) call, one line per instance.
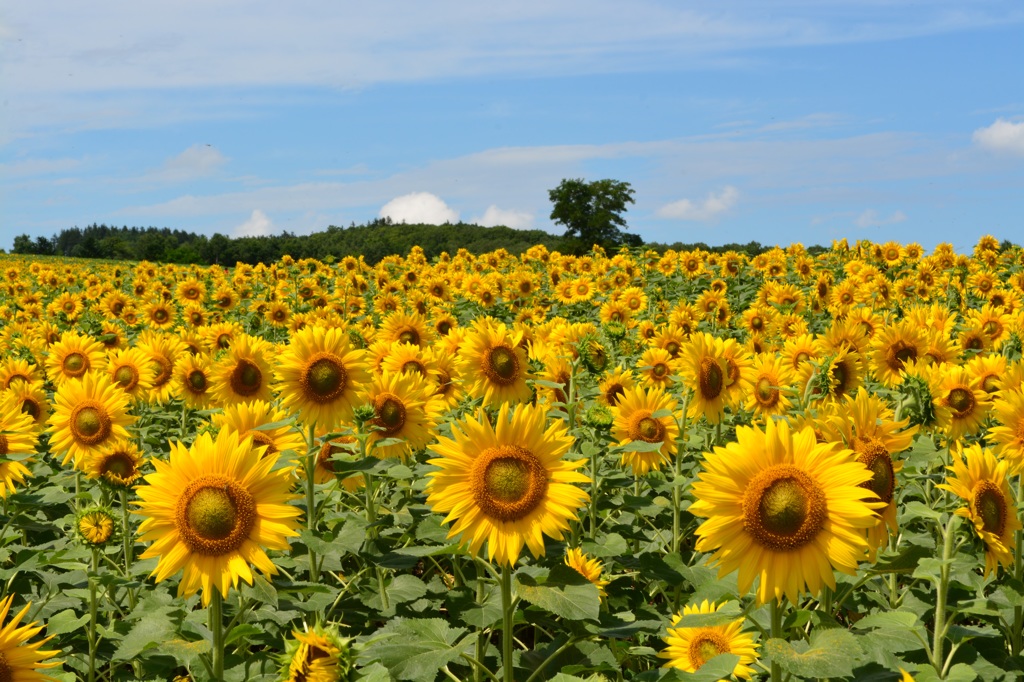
point(793, 120)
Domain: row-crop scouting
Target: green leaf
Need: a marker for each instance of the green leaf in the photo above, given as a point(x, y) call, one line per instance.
point(150, 632)
point(638, 446)
point(65, 621)
point(414, 649)
point(241, 631)
point(185, 653)
point(563, 592)
point(831, 653)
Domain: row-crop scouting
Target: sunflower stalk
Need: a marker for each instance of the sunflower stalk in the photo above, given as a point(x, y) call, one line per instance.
point(776, 634)
point(1017, 631)
point(941, 626)
point(311, 520)
point(508, 619)
point(127, 543)
point(371, 516)
point(677, 488)
point(93, 611)
point(216, 614)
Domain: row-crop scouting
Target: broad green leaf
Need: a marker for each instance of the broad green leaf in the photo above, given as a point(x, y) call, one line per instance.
point(563, 592)
point(150, 632)
point(414, 649)
point(831, 653)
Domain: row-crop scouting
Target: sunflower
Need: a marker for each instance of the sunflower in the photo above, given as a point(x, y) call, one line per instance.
point(690, 648)
point(191, 379)
point(73, 357)
point(493, 364)
point(14, 370)
point(325, 463)
point(18, 436)
point(508, 485)
point(90, 413)
point(980, 478)
point(95, 526)
point(406, 328)
point(960, 405)
point(320, 376)
point(130, 369)
point(706, 372)
point(316, 655)
point(407, 357)
point(589, 568)
point(988, 372)
point(770, 378)
point(834, 377)
point(404, 409)
point(784, 508)
point(448, 388)
point(614, 385)
point(1008, 436)
point(865, 424)
point(657, 368)
point(117, 464)
point(635, 421)
point(249, 420)
point(19, 659)
point(162, 351)
point(32, 400)
point(220, 336)
point(159, 315)
point(892, 346)
point(800, 349)
point(244, 373)
point(211, 510)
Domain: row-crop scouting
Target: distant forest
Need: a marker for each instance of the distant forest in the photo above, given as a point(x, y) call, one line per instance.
point(374, 241)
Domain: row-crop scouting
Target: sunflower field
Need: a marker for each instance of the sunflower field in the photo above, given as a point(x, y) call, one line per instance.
point(630, 466)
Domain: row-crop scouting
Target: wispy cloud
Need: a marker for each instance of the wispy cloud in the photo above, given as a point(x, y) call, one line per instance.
point(1003, 136)
point(871, 218)
point(713, 206)
point(25, 168)
point(199, 160)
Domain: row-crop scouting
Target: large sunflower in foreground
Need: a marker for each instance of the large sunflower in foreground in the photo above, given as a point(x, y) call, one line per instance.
point(88, 415)
point(492, 364)
point(507, 483)
point(320, 376)
point(690, 648)
point(635, 421)
point(980, 479)
point(212, 510)
point(20, 660)
point(783, 508)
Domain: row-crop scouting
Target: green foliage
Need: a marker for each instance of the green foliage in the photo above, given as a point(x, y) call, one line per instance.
point(592, 212)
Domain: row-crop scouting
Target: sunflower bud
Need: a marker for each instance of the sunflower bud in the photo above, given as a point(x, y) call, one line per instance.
point(95, 526)
point(599, 416)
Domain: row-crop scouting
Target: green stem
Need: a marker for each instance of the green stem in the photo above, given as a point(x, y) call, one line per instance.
point(481, 637)
point(594, 492)
point(677, 488)
point(939, 634)
point(93, 614)
point(1016, 639)
point(128, 544)
point(217, 628)
point(776, 634)
point(508, 618)
point(311, 458)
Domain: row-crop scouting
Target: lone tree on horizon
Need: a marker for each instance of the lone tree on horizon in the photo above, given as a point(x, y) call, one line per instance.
point(592, 212)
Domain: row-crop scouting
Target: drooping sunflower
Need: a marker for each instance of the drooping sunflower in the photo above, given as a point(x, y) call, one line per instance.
point(1008, 436)
point(73, 357)
point(960, 404)
point(866, 425)
point(448, 388)
point(980, 479)
point(89, 414)
point(18, 436)
point(403, 408)
point(834, 377)
point(506, 484)
point(707, 374)
point(130, 369)
point(635, 422)
point(589, 568)
point(118, 464)
point(245, 372)
point(19, 658)
point(493, 365)
point(212, 510)
point(783, 508)
point(247, 420)
point(316, 654)
point(690, 648)
point(320, 376)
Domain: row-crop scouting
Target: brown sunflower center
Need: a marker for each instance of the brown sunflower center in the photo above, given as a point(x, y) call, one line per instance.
point(118, 464)
point(508, 482)
point(127, 376)
point(409, 336)
point(75, 364)
point(197, 381)
point(246, 378)
point(991, 383)
point(841, 375)
point(325, 378)
point(501, 365)
point(974, 342)
point(30, 407)
point(765, 392)
point(710, 379)
point(160, 315)
point(875, 456)
point(261, 440)
point(163, 368)
point(660, 370)
point(643, 426)
point(990, 505)
point(802, 356)
point(993, 328)
point(961, 400)
point(613, 393)
point(90, 424)
point(705, 645)
point(4, 445)
point(443, 327)
point(901, 353)
point(214, 515)
point(784, 508)
point(413, 367)
point(390, 413)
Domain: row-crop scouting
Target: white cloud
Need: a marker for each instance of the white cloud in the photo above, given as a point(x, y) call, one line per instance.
point(711, 208)
point(1002, 136)
point(199, 160)
point(258, 225)
point(870, 218)
point(517, 220)
point(419, 207)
